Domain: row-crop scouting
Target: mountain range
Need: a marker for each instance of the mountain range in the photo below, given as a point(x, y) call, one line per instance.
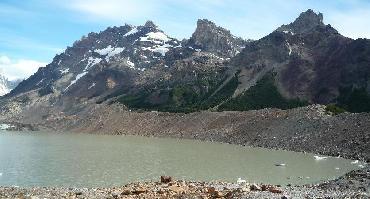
point(142, 68)
point(6, 85)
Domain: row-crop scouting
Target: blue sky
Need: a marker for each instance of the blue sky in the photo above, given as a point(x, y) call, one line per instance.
point(33, 31)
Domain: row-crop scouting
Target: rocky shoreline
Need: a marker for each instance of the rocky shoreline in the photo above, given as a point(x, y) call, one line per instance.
point(355, 184)
point(307, 129)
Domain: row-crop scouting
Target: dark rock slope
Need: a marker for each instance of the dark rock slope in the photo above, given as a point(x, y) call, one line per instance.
point(310, 61)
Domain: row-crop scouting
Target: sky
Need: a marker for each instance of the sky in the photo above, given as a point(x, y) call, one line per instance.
point(32, 32)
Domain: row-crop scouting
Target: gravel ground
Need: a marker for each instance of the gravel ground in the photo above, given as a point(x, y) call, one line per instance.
point(353, 185)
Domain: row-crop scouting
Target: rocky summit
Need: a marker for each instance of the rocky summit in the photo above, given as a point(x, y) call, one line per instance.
point(143, 68)
point(209, 37)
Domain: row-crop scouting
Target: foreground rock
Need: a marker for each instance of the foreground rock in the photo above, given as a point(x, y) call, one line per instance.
point(353, 185)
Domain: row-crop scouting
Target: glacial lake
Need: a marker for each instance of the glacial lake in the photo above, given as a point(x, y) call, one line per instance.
point(81, 160)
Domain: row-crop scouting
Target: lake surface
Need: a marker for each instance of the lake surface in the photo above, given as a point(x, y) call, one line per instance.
point(79, 160)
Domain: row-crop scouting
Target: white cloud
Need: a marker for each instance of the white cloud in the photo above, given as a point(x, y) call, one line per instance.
point(4, 60)
point(20, 68)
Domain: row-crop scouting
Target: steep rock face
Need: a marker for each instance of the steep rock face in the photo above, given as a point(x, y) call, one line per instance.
point(310, 61)
point(209, 37)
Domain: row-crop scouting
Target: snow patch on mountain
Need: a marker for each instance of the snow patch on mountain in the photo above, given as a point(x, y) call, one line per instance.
point(40, 81)
point(131, 32)
point(290, 48)
point(288, 32)
point(91, 62)
point(130, 64)
point(64, 71)
point(79, 76)
point(91, 86)
point(162, 49)
point(109, 52)
point(160, 41)
point(156, 37)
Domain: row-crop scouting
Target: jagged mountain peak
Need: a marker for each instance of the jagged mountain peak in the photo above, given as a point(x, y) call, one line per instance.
point(210, 37)
point(121, 31)
point(310, 17)
point(207, 24)
point(306, 22)
point(150, 24)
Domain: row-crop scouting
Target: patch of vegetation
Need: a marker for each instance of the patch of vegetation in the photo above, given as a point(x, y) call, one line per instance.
point(263, 95)
point(334, 109)
point(183, 95)
point(354, 100)
point(194, 97)
point(186, 98)
point(116, 93)
point(45, 91)
point(179, 99)
point(222, 95)
point(135, 101)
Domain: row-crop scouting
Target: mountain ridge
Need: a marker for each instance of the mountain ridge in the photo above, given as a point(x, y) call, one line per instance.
point(302, 63)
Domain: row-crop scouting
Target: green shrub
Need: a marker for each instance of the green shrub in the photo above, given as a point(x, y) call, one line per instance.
point(137, 101)
point(263, 95)
point(222, 95)
point(354, 100)
point(334, 109)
